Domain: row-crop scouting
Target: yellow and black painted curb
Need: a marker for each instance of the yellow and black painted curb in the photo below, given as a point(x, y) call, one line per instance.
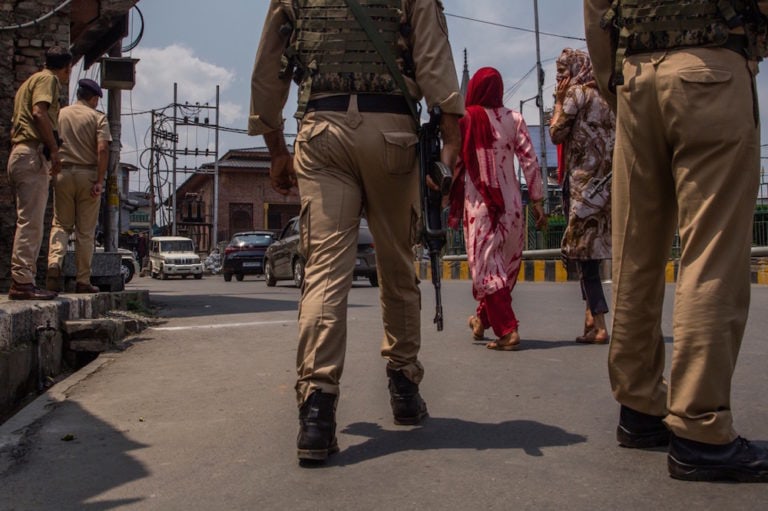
point(553, 270)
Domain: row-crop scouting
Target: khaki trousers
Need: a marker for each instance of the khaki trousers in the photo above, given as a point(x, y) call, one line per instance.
point(687, 156)
point(29, 179)
point(74, 210)
point(349, 163)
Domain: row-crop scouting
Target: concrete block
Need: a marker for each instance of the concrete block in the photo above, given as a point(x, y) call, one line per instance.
point(109, 330)
point(103, 264)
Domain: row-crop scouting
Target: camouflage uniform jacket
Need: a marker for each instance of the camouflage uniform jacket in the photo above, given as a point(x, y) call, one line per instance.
point(599, 43)
point(435, 76)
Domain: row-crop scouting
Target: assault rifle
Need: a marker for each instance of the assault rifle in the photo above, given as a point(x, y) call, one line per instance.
point(433, 233)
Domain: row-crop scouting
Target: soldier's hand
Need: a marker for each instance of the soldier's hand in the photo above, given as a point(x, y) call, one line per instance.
point(55, 163)
point(281, 173)
point(97, 189)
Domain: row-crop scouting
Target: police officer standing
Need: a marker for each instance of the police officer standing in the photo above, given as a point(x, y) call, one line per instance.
point(355, 154)
point(78, 187)
point(687, 158)
point(34, 158)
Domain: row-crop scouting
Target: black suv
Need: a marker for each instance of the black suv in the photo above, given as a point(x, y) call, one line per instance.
point(245, 254)
point(284, 262)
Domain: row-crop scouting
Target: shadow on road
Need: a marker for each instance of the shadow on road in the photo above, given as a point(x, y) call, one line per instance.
point(448, 433)
point(91, 458)
point(190, 306)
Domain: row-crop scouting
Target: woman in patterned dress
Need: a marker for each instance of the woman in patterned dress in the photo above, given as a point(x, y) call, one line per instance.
point(584, 124)
point(486, 196)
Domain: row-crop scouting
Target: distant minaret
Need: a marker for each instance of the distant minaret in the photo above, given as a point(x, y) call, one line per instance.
point(465, 76)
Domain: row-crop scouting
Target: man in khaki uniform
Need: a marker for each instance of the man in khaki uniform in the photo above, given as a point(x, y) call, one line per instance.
point(355, 154)
point(687, 158)
point(78, 187)
point(34, 155)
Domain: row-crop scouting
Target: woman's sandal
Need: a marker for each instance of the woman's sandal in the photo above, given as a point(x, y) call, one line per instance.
point(591, 337)
point(478, 332)
point(509, 342)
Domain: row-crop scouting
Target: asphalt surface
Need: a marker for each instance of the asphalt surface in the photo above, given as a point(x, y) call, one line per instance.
point(198, 413)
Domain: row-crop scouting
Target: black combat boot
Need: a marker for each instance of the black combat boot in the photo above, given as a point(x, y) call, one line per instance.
point(739, 461)
point(407, 405)
point(639, 430)
point(317, 427)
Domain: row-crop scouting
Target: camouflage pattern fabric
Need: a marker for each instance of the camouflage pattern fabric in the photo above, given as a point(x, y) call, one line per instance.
point(333, 52)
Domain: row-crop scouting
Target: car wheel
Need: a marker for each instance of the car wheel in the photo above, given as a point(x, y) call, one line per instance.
point(298, 272)
point(163, 275)
point(239, 277)
point(152, 272)
point(127, 271)
point(198, 276)
point(374, 280)
point(269, 274)
point(227, 277)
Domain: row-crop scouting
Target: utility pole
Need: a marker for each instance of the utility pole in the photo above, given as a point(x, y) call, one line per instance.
point(187, 118)
point(114, 106)
point(540, 104)
point(215, 233)
point(152, 173)
point(175, 149)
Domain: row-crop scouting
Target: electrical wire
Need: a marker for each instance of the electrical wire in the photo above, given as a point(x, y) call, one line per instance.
point(38, 20)
point(521, 29)
point(133, 44)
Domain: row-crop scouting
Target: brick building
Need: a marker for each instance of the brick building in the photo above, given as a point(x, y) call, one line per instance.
point(246, 199)
point(89, 28)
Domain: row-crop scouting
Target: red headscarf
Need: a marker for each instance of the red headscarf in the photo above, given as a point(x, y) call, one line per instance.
point(486, 90)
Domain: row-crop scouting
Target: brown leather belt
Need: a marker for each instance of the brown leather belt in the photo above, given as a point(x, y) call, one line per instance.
point(376, 103)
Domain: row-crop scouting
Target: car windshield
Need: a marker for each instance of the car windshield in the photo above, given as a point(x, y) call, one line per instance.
point(259, 240)
point(176, 246)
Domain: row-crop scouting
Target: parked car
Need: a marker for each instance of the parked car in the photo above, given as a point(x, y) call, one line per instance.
point(129, 266)
point(173, 256)
point(244, 255)
point(283, 261)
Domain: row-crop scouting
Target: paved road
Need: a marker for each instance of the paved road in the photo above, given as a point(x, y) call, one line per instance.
point(198, 414)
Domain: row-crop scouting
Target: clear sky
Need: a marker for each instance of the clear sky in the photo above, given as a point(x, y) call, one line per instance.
point(200, 44)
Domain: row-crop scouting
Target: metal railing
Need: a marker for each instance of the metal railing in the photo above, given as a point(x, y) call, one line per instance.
point(547, 243)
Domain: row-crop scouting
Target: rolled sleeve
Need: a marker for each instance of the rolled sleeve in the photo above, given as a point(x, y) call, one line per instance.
point(46, 89)
point(102, 130)
point(433, 58)
point(269, 92)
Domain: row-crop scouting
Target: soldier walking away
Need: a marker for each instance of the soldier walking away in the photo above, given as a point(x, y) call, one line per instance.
point(355, 154)
point(78, 187)
point(34, 158)
point(682, 80)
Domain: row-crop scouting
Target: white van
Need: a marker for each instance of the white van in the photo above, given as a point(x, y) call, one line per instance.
point(173, 255)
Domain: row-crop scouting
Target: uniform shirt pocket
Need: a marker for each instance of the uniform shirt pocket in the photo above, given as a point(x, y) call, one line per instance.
point(400, 151)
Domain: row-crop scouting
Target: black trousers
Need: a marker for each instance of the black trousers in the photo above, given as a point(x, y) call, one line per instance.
point(592, 287)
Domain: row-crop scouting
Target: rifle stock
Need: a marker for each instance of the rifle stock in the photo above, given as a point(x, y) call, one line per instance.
point(433, 233)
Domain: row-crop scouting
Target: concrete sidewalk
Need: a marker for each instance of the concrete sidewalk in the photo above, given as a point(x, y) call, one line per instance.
point(199, 414)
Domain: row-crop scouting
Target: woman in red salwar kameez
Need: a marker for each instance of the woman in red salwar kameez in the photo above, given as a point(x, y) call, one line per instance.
point(486, 196)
